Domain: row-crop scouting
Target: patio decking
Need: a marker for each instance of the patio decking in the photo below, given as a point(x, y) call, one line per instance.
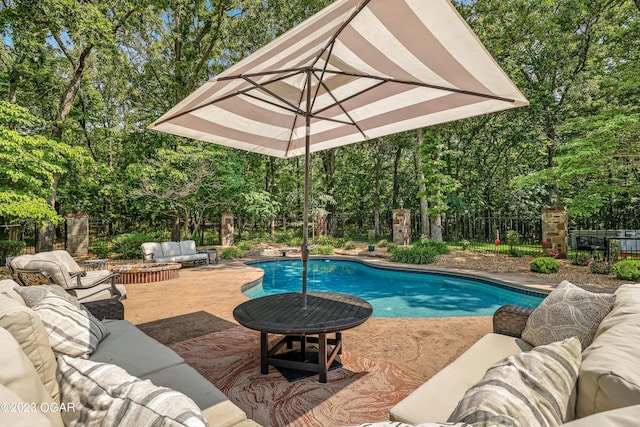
point(203, 298)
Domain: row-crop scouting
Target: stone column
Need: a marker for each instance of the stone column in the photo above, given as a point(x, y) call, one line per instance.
point(78, 234)
point(402, 226)
point(555, 229)
point(226, 229)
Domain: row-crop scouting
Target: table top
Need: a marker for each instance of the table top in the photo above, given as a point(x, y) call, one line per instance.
point(284, 314)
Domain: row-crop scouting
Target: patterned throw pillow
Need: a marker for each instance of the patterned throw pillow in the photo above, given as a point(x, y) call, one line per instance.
point(72, 331)
point(534, 388)
point(568, 311)
point(106, 395)
point(33, 295)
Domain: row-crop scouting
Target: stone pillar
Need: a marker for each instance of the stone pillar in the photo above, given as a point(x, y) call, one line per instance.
point(402, 226)
point(555, 229)
point(78, 234)
point(226, 229)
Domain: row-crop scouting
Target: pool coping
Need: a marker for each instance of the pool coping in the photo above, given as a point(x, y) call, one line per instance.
point(386, 265)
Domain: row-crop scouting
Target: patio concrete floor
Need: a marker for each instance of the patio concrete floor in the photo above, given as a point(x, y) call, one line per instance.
point(202, 300)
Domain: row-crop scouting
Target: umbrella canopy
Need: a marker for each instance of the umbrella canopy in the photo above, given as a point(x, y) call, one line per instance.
point(357, 70)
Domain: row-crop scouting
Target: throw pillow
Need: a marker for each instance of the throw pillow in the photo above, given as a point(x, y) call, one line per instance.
point(568, 311)
point(33, 295)
point(534, 388)
point(106, 395)
point(72, 331)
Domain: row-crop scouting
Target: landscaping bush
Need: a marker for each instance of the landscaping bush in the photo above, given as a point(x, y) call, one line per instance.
point(232, 253)
point(100, 248)
point(10, 248)
point(465, 244)
point(627, 270)
point(414, 255)
point(433, 246)
point(244, 246)
point(322, 250)
point(513, 240)
point(600, 267)
point(128, 244)
point(349, 245)
point(383, 243)
point(545, 265)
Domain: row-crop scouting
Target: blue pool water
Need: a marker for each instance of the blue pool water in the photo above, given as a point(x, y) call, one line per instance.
point(392, 293)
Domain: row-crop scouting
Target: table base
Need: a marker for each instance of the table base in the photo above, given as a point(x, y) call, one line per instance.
point(325, 357)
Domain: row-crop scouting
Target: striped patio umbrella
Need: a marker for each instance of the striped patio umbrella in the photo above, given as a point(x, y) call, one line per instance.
point(357, 70)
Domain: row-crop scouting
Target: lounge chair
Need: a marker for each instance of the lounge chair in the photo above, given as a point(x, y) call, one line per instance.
point(60, 268)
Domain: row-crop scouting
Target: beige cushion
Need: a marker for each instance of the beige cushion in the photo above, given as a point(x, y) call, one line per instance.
point(19, 413)
point(623, 417)
point(107, 395)
point(18, 374)
point(217, 407)
point(33, 295)
point(58, 272)
point(610, 374)
point(27, 329)
point(152, 248)
point(133, 350)
point(7, 289)
point(21, 260)
point(568, 311)
point(532, 388)
point(437, 398)
point(66, 259)
point(72, 331)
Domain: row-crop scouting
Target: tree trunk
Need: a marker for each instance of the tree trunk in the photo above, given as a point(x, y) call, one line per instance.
point(176, 229)
point(396, 184)
point(424, 222)
point(69, 95)
point(376, 191)
point(436, 227)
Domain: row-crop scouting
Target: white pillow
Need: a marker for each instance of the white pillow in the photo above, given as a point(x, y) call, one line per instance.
point(72, 331)
point(533, 388)
point(106, 395)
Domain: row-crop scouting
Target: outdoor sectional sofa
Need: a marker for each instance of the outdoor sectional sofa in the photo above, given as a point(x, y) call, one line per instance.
point(44, 382)
point(606, 386)
point(183, 251)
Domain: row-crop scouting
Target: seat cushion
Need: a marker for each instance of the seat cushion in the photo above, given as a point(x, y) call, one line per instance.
point(437, 398)
point(568, 311)
point(217, 407)
point(16, 418)
point(27, 329)
point(133, 350)
point(105, 394)
point(536, 387)
point(58, 272)
point(18, 374)
point(609, 374)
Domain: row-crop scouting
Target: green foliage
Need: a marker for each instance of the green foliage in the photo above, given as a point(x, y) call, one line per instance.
point(322, 250)
point(232, 253)
point(349, 245)
point(391, 246)
point(544, 265)
point(413, 255)
point(100, 248)
point(244, 246)
point(10, 248)
point(513, 240)
point(465, 244)
point(435, 247)
point(327, 240)
point(627, 270)
point(128, 245)
point(600, 267)
point(383, 243)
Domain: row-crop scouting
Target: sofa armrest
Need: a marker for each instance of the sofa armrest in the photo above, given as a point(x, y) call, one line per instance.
point(31, 277)
point(106, 309)
point(78, 275)
point(510, 320)
point(112, 278)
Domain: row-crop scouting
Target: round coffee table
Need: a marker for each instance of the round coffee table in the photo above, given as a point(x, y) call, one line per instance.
point(325, 313)
point(147, 273)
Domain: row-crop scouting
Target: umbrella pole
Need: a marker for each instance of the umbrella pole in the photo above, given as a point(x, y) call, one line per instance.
point(305, 212)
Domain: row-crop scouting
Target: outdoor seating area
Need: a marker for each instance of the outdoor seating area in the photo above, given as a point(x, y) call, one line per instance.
point(182, 252)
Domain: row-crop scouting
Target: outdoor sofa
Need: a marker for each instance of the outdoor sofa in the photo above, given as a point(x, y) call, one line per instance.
point(102, 372)
point(60, 268)
point(183, 251)
point(603, 389)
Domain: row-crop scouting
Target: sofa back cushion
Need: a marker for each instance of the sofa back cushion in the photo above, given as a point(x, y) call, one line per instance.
point(64, 257)
point(27, 329)
point(19, 375)
point(188, 247)
point(609, 374)
point(170, 249)
point(58, 272)
point(152, 248)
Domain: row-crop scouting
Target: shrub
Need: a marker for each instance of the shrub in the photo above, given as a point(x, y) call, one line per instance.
point(465, 244)
point(232, 253)
point(383, 243)
point(627, 270)
point(599, 267)
point(100, 248)
point(322, 250)
point(414, 255)
point(433, 246)
point(244, 246)
point(128, 244)
point(513, 240)
point(10, 248)
point(545, 265)
point(329, 241)
point(349, 245)
point(391, 246)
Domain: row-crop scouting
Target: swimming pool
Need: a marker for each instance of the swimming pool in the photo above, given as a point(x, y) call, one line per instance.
point(393, 293)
